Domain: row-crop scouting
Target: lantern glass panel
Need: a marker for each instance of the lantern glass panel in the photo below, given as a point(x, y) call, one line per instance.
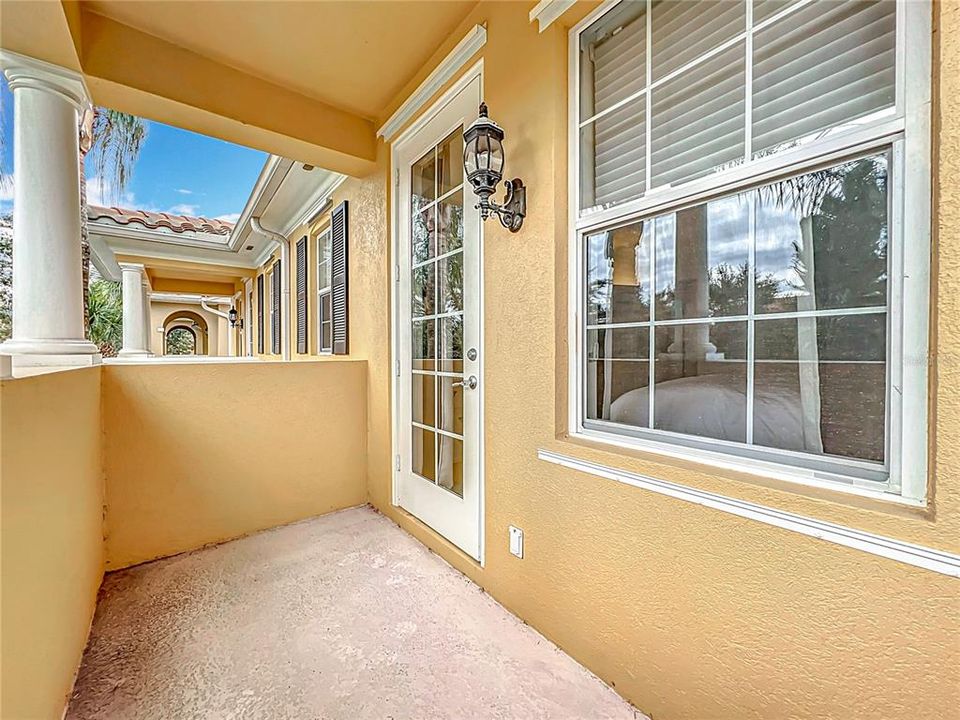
point(470, 156)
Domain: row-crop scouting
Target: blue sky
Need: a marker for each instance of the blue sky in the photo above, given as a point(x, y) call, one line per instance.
point(178, 172)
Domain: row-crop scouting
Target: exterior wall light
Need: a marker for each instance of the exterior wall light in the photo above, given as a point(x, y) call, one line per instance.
point(234, 321)
point(483, 164)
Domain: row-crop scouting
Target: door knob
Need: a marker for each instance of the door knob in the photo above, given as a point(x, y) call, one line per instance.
point(470, 382)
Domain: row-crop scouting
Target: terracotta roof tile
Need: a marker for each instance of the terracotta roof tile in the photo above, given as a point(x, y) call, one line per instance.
point(155, 221)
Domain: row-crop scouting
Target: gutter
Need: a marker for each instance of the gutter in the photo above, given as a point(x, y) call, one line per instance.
point(284, 244)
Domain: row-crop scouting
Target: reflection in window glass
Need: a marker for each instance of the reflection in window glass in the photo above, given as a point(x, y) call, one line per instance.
point(423, 452)
point(703, 257)
point(822, 239)
point(422, 392)
point(619, 270)
point(818, 380)
point(423, 344)
point(450, 162)
point(450, 223)
point(618, 367)
point(450, 464)
point(820, 385)
point(423, 290)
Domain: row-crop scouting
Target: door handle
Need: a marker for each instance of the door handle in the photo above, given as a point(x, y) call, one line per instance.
point(470, 382)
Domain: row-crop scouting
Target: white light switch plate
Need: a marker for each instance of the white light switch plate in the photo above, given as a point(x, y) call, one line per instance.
point(516, 541)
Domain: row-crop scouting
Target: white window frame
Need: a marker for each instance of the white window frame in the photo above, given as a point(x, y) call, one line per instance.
point(907, 133)
point(321, 291)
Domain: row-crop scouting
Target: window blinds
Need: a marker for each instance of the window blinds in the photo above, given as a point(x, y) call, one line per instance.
point(814, 67)
point(824, 65)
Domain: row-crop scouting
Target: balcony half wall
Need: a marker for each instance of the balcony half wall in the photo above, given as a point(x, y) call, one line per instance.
point(114, 465)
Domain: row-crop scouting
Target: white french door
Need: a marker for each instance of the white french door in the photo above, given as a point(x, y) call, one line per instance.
point(437, 414)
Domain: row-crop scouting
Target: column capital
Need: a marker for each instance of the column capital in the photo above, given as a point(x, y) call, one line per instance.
point(132, 267)
point(28, 72)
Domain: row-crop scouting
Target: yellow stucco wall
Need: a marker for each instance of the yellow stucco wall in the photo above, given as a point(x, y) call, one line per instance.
point(51, 536)
point(201, 453)
point(160, 311)
point(688, 612)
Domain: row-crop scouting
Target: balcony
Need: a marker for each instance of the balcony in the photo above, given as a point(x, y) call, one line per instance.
point(343, 616)
point(322, 529)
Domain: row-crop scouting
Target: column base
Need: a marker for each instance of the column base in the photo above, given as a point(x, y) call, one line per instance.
point(54, 353)
point(134, 354)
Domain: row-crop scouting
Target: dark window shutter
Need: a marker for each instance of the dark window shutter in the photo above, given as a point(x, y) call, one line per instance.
point(302, 295)
point(339, 242)
point(260, 314)
point(275, 320)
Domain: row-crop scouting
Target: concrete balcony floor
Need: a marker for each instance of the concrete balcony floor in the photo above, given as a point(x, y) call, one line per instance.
point(344, 616)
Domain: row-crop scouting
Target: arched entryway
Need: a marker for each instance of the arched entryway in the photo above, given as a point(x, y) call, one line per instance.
point(185, 333)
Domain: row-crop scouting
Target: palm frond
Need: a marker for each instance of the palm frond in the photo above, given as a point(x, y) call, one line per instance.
point(117, 141)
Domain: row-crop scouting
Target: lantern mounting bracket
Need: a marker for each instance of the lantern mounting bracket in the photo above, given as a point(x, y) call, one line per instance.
point(513, 209)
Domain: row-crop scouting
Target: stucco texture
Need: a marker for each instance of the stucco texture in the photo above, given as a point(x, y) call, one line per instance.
point(688, 612)
point(51, 539)
point(269, 626)
point(201, 453)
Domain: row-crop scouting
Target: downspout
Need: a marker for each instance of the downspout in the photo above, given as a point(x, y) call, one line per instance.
point(225, 316)
point(284, 282)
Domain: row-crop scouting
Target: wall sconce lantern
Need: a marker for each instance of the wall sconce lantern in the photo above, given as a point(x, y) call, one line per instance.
point(235, 322)
point(483, 164)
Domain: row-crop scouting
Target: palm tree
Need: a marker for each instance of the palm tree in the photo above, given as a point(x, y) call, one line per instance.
point(113, 139)
point(106, 316)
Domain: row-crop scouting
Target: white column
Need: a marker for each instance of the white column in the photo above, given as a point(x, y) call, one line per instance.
point(147, 330)
point(47, 274)
point(134, 299)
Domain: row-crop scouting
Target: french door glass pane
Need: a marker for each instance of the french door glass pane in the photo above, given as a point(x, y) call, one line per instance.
point(423, 182)
point(451, 404)
point(450, 223)
point(450, 162)
point(436, 288)
point(450, 464)
point(423, 392)
point(450, 295)
point(423, 453)
point(423, 238)
point(423, 344)
point(424, 290)
point(451, 344)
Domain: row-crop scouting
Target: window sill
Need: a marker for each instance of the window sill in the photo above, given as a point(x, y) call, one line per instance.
point(758, 472)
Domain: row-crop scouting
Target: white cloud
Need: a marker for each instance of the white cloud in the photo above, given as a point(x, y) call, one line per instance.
point(183, 209)
point(100, 192)
point(184, 191)
point(6, 189)
point(229, 217)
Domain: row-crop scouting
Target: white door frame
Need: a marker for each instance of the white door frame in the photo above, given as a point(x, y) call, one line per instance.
point(247, 335)
point(474, 73)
